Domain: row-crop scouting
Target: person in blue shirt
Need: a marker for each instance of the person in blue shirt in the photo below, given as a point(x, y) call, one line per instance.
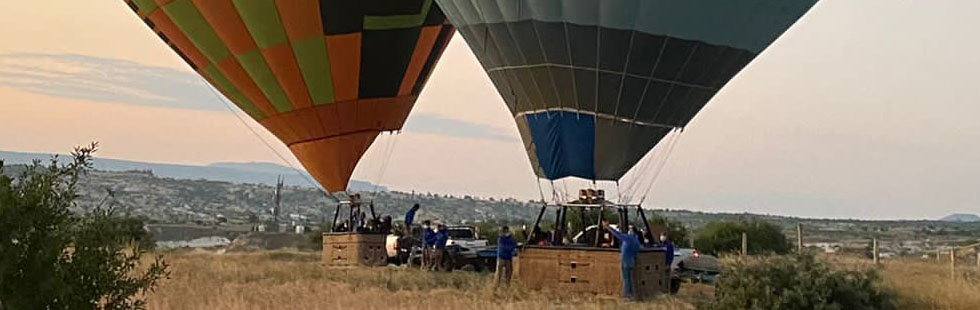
point(410, 216)
point(440, 238)
point(505, 255)
point(668, 248)
point(629, 245)
point(428, 240)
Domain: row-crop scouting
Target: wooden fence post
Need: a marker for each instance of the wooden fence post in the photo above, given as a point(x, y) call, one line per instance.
point(745, 244)
point(938, 257)
point(799, 239)
point(952, 263)
point(874, 251)
point(978, 256)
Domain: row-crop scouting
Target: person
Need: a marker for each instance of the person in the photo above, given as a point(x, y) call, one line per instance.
point(606, 241)
point(440, 239)
point(385, 226)
point(549, 237)
point(410, 216)
point(668, 248)
point(629, 245)
point(428, 240)
point(362, 220)
point(554, 236)
point(505, 255)
point(538, 237)
point(648, 240)
point(372, 225)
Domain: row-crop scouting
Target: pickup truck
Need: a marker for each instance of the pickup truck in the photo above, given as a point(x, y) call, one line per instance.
point(465, 248)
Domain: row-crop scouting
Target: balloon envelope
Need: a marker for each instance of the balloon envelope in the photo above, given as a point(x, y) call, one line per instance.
point(595, 84)
point(326, 77)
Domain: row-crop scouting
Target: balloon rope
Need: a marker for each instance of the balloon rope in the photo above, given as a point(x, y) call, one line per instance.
point(619, 194)
point(564, 195)
point(387, 150)
point(540, 191)
point(554, 191)
point(634, 187)
point(637, 182)
point(267, 144)
point(660, 169)
point(641, 167)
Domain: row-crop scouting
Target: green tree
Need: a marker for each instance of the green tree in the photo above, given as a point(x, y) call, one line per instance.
point(56, 259)
point(796, 282)
point(726, 237)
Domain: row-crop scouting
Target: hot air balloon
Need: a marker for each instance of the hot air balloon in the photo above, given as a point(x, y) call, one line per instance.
point(595, 84)
point(325, 77)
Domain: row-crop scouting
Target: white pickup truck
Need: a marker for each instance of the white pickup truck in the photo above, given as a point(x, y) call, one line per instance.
point(466, 250)
point(465, 236)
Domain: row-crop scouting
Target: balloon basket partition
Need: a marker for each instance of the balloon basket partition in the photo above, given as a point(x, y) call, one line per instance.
point(354, 249)
point(590, 271)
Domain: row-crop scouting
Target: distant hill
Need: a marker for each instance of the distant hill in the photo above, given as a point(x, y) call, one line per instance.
point(961, 217)
point(251, 172)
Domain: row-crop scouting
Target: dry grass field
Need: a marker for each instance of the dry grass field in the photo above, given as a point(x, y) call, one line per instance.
point(924, 283)
point(294, 280)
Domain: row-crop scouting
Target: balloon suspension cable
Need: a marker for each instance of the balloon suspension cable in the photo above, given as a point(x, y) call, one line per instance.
point(635, 183)
point(388, 150)
point(540, 191)
point(267, 144)
point(660, 169)
point(564, 195)
point(619, 194)
point(554, 191)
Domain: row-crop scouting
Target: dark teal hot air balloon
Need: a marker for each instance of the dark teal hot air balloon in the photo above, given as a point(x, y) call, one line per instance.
point(595, 84)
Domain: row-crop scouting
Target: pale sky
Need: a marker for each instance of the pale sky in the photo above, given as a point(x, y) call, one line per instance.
point(864, 109)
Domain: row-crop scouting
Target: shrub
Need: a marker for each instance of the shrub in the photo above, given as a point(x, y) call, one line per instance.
point(55, 259)
point(726, 237)
point(796, 282)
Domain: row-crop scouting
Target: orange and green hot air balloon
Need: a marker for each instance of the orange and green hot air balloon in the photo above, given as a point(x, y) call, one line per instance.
point(324, 76)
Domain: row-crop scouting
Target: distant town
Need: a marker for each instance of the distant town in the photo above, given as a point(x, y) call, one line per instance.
point(201, 204)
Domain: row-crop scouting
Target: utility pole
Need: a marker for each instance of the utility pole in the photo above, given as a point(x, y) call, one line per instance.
point(276, 200)
point(874, 251)
point(799, 238)
point(745, 244)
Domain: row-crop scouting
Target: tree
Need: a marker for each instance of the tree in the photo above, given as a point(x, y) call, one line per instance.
point(56, 259)
point(726, 237)
point(796, 282)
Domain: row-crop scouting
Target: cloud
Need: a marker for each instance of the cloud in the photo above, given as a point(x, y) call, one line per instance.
point(100, 79)
point(430, 123)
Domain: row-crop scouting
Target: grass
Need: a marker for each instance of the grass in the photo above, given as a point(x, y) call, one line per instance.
point(293, 280)
point(924, 283)
point(296, 280)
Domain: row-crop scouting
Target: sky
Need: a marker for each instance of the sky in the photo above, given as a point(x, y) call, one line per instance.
point(863, 109)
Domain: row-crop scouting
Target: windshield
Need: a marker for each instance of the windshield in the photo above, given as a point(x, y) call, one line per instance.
point(460, 233)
